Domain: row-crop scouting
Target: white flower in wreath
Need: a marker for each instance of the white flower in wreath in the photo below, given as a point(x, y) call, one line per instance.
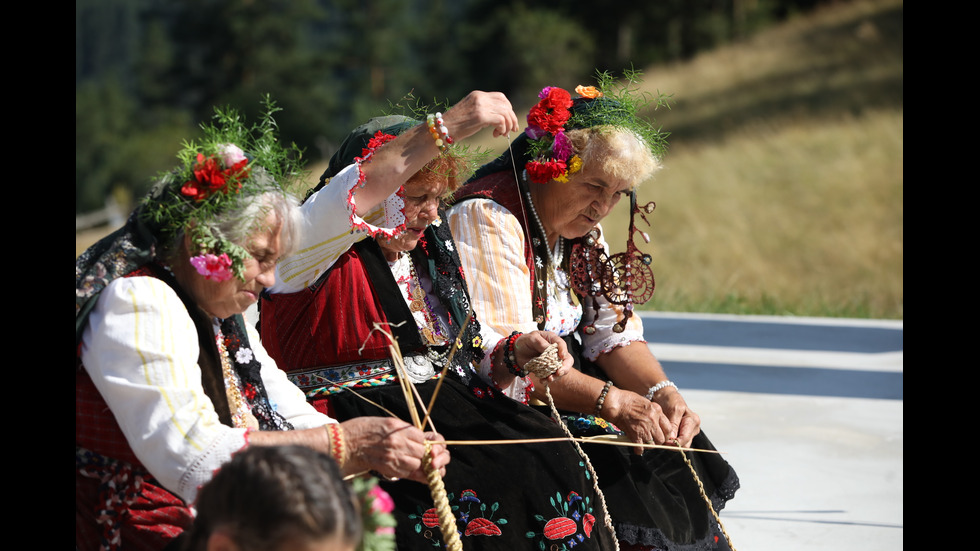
point(437, 222)
point(449, 247)
point(244, 355)
point(231, 154)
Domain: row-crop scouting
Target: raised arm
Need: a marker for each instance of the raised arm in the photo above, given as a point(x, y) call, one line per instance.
point(392, 165)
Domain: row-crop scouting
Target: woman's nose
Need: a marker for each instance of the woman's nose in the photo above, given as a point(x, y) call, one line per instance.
point(605, 205)
point(267, 277)
point(430, 209)
point(602, 207)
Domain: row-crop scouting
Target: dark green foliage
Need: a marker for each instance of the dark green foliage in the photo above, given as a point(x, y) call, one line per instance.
point(147, 71)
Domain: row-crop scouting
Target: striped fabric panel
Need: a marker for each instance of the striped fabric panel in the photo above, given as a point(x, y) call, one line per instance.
point(497, 276)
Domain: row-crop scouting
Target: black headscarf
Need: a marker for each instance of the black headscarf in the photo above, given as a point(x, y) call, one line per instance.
point(115, 255)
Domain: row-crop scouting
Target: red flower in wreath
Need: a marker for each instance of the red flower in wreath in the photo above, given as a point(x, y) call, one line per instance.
point(552, 112)
point(543, 172)
point(210, 177)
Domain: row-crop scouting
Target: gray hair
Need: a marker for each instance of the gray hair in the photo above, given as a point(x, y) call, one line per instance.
point(239, 224)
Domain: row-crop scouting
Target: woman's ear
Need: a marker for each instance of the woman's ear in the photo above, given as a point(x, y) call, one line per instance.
point(220, 540)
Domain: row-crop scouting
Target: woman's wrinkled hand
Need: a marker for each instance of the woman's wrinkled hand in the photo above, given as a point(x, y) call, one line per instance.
point(391, 447)
point(479, 110)
point(531, 345)
point(643, 421)
point(686, 423)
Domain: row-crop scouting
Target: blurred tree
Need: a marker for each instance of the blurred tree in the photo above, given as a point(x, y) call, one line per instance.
point(144, 69)
point(102, 112)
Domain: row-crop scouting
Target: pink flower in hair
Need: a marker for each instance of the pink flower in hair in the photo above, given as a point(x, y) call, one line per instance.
point(562, 147)
point(215, 268)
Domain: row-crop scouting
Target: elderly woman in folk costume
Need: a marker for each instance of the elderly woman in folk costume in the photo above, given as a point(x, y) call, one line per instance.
point(169, 382)
point(369, 265)
point(527, 226)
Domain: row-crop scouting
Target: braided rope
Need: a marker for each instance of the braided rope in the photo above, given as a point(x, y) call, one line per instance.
point(704, 495)
point(447, 522)
point(543, 366)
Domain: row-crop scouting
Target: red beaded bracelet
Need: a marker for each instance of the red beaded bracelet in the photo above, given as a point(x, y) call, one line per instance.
point(510, 355)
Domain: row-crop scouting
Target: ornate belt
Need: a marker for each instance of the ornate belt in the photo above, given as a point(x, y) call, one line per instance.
point(318, 381)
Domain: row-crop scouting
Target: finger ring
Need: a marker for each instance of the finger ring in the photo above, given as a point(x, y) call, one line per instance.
point(385, 478)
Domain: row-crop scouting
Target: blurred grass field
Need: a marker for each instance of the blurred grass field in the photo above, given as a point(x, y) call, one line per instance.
point(783, 189)
point(782, 192)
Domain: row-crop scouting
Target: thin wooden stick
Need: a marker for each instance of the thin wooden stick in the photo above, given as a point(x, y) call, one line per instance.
point(447, 522)
point(612, 440)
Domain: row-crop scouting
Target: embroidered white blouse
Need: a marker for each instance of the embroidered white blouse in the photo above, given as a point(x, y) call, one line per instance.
point(330, 226)
point(491, 247)
point(141, 349)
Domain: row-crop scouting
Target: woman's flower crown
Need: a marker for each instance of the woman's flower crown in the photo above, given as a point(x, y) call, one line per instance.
point(217, 173)
point(551, 153)
point(553, 158)
point(229, 166)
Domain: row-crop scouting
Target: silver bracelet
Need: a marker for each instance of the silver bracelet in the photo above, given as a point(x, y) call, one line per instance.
point(657, 388)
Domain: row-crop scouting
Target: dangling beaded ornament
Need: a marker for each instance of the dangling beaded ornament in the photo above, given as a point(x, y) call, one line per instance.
point(624, 278)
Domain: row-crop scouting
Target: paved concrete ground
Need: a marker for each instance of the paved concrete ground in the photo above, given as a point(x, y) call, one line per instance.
point(810, 414)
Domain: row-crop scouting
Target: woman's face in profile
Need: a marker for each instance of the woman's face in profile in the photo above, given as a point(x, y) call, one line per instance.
point(233, 296)
point(421, 198)
point(572, 208)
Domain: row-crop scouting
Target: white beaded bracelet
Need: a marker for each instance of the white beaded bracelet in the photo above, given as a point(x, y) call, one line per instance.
point(657, 388)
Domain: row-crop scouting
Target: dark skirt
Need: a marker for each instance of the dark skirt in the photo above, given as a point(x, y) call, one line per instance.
point(503, 496)
point(654, 499)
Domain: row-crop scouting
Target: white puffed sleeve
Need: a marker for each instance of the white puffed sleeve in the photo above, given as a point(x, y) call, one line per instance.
point(330, 226)
point(141, 349)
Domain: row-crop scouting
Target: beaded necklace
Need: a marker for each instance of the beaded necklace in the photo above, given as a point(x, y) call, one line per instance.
point(241, 414)
point(554, 259)
point(553, 282)
point(430, 326)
